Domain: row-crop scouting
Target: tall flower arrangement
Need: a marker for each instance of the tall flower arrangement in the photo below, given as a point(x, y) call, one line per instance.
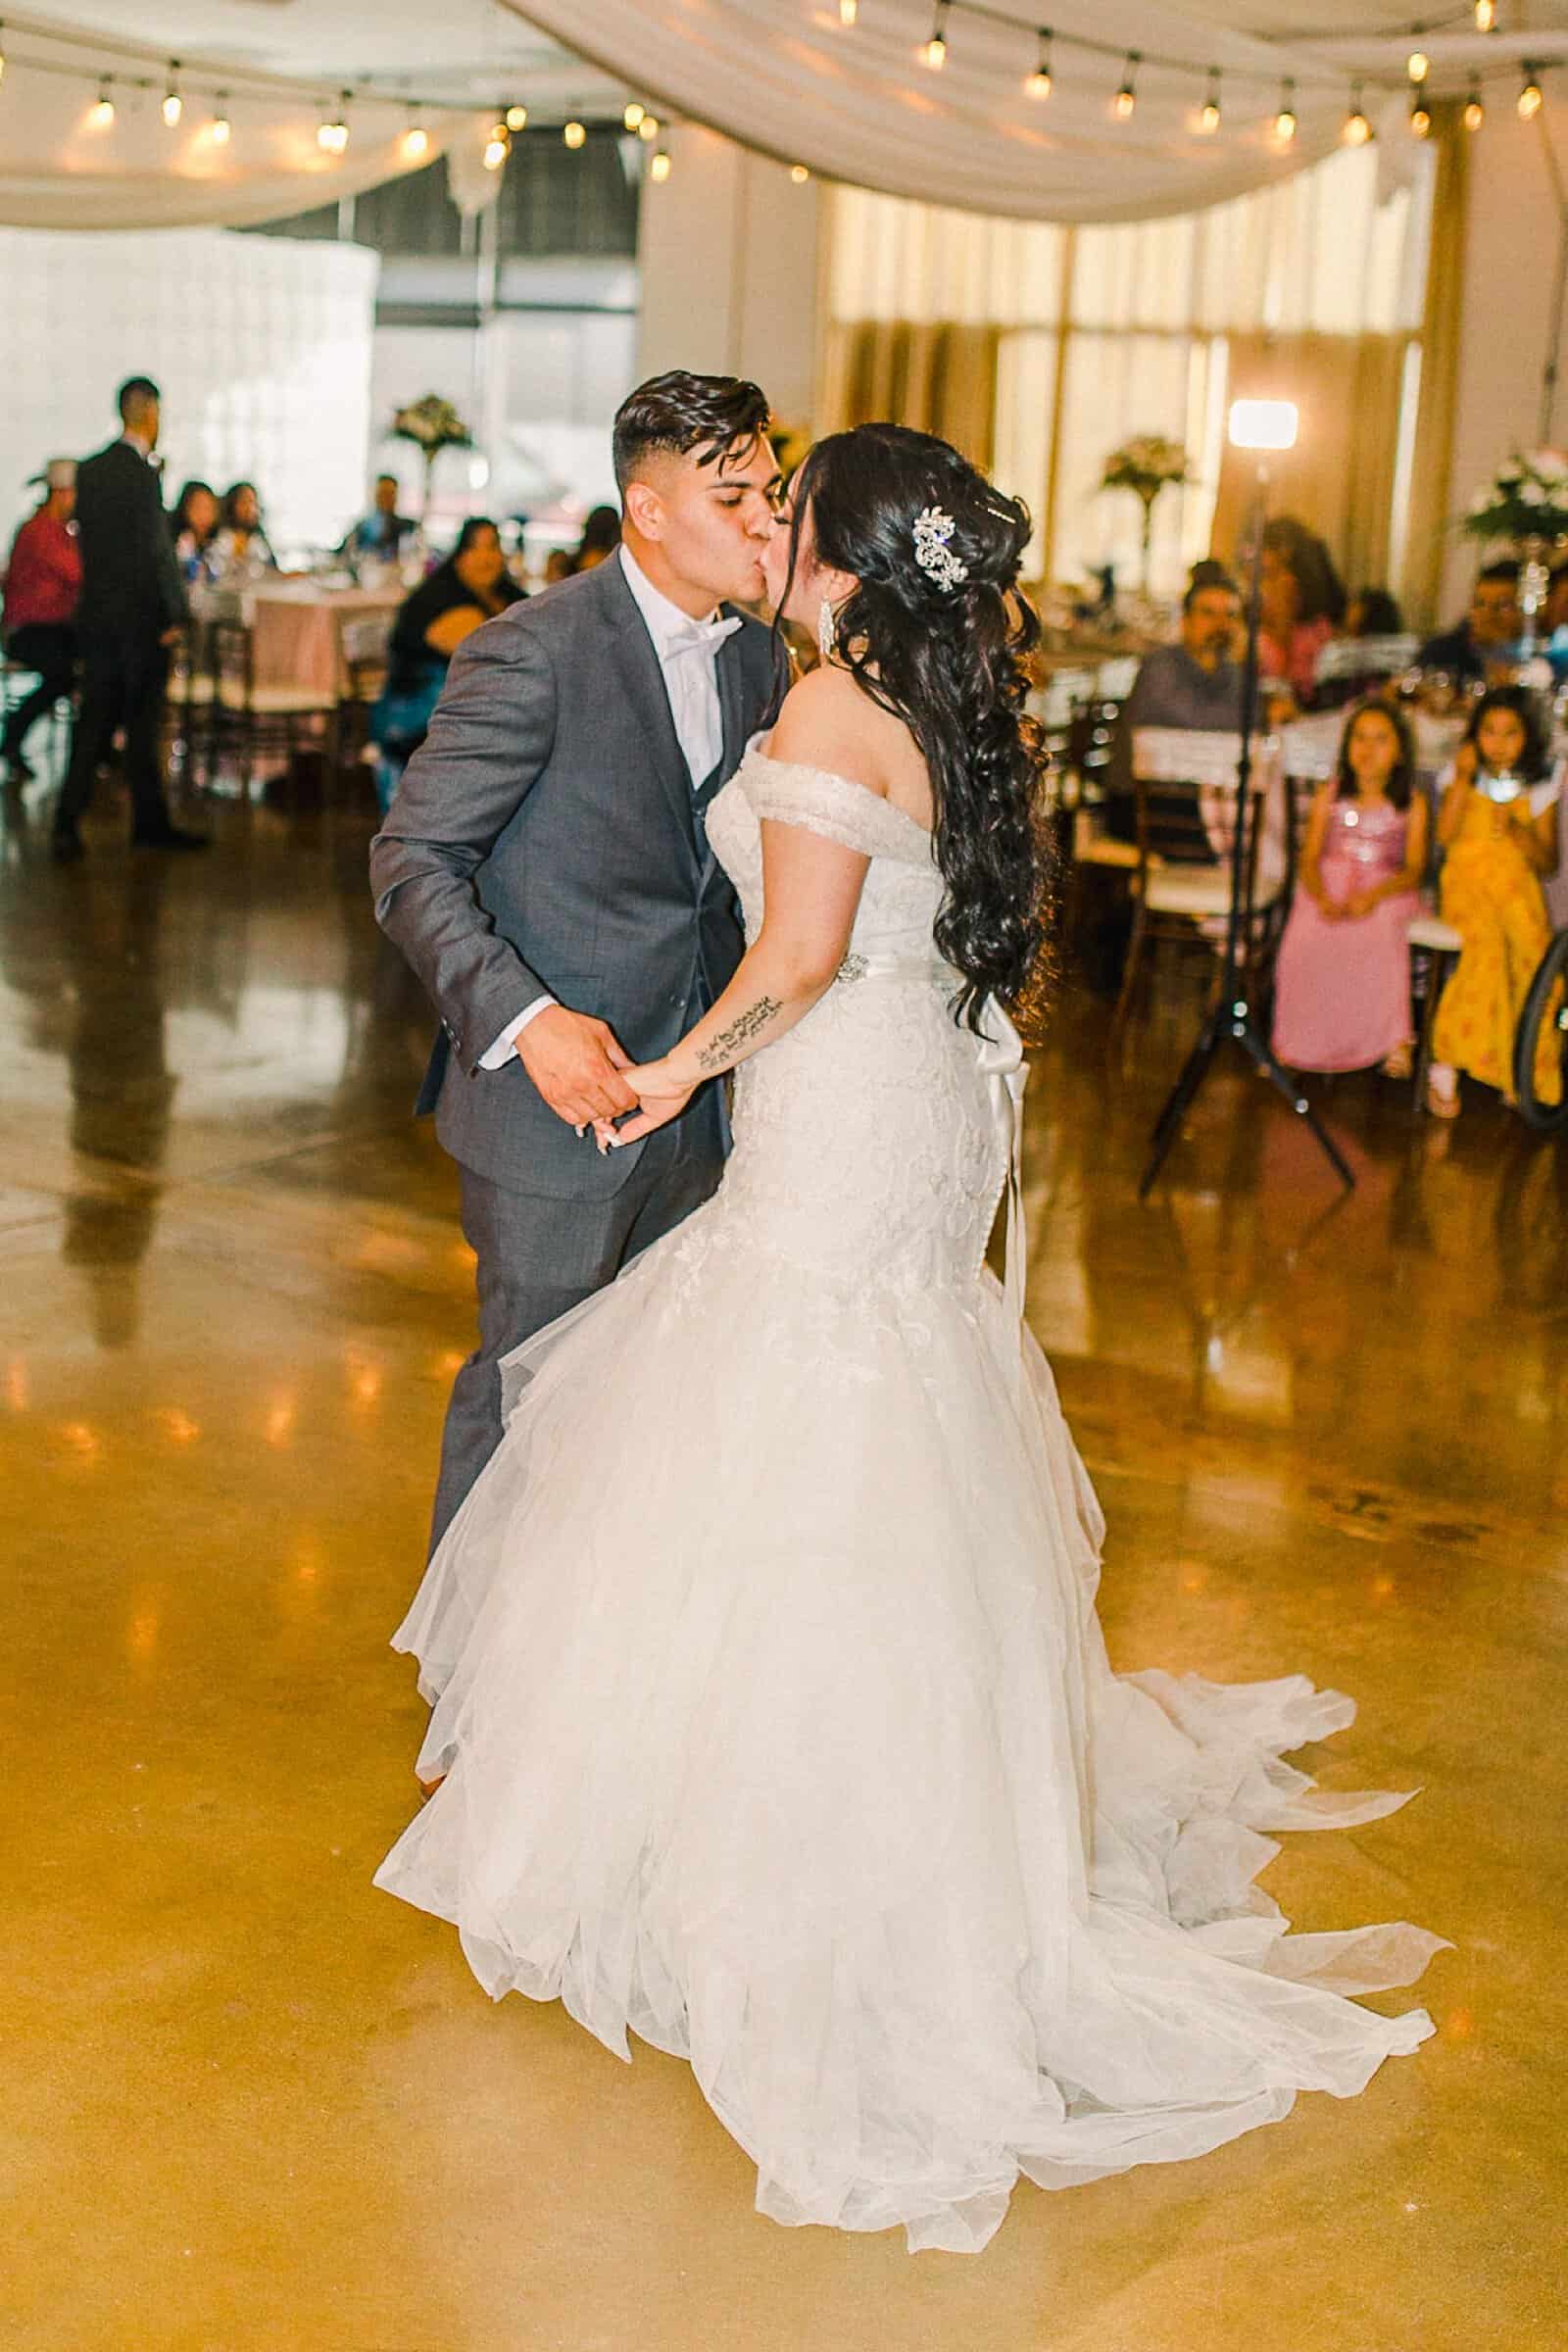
point(432, 424)
point(1525, 501)
point(1146, 464)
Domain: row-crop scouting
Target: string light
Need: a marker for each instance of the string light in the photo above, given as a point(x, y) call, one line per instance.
point(1038, 84)
point(1419, 65)
point(415, 140)
point(574, 135)
point(1285, 120)
point(647, 129)
point(1208, 119)
point(174, 105)
point(659, 168)
point(219, 129)
point(1357, 130)
point(1126, 97)
point(1475, 114)
point(935, 51)
point(332, 136)
point(799, 175)
point(849, 10)
point(631, 119)
point(1486, 16)
point(1530, 97)
point(496, 150)
point(1420, 120)
point(516, 118)
point(103, 114)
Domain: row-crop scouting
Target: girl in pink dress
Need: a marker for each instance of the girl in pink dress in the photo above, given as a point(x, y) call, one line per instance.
point(1341, 995)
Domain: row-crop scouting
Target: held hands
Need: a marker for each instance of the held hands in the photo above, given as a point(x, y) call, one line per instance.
point(661, 1098)
point(576, 1065)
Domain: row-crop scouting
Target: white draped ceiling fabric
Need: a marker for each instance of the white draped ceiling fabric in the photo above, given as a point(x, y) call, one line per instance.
point(63, 168)
point(855, 103)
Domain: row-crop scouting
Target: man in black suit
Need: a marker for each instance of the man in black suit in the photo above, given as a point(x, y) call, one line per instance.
point(131, 611)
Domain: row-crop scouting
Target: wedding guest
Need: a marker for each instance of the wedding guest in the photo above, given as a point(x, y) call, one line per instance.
point(1486, 637)
point(132, 610)
point(601, 536)
point(193, 525)
point(241, 543)
point(43, 581)
point(384, 530)
point(1498, 845)
point(1342, 996)
point(1555, 616)
point(1300, 603)
point(468, 589)
point(1194, 683)
point(1373, 612)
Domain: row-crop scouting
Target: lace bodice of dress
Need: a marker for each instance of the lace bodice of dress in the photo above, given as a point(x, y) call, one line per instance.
point(867, 1140)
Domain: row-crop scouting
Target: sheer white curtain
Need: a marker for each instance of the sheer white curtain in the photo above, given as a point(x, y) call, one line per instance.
point(1109, 331)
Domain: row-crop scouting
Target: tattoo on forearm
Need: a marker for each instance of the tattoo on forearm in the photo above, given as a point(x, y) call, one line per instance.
point(720, 1050)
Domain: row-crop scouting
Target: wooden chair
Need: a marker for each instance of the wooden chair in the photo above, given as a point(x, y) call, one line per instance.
point(249, 717)
point(1182, 883)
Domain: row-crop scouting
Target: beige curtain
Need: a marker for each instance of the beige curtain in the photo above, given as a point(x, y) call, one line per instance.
point(938, 377)
point(1339, 475)
point(1432, 473)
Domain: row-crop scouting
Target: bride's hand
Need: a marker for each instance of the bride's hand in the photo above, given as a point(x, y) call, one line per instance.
point(660, 1098)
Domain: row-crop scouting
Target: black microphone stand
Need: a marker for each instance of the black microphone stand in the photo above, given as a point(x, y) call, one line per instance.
point(1231, 1016)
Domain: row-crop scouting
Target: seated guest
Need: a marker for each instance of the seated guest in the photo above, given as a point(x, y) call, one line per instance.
point(1301, 604)
point(1194, 683)
point(241, 543)
point(1342, 986)
point(1555, 616)
point(1373, 612)
point(384, 530)
point(601, 536)
point(43, 581)
point(468, 589)
point(1486, 637)
point(194, 525)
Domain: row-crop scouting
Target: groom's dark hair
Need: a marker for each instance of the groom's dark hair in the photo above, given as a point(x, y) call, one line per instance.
point(679, 413)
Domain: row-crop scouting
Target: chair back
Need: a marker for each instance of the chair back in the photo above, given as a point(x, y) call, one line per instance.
point(231, 660)
point(1348, 667)
point(365, 640)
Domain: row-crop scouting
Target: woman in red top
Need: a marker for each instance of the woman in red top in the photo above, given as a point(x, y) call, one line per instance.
point(43, 581)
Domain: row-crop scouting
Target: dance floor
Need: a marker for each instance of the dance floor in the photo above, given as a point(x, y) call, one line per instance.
point(254, 2106)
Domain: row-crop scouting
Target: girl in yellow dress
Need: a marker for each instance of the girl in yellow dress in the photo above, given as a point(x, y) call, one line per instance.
point(1498, 847)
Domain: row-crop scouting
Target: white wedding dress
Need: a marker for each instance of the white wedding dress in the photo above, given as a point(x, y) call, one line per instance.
point(776, 1720)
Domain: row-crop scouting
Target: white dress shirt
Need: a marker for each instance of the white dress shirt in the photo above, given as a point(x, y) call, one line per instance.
point(687, 651)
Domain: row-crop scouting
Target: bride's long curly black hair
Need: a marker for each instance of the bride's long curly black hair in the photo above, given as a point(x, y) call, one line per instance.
point(948, 661)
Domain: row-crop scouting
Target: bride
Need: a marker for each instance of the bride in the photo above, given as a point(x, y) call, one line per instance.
point(774, 1717)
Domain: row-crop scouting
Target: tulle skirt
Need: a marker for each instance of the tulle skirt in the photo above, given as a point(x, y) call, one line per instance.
point(778, 1730)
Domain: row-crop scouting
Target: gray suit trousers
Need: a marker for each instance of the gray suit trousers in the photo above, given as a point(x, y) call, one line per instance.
point(583, 1243)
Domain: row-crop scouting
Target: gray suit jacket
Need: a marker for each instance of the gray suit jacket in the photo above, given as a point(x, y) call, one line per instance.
point(546, 838)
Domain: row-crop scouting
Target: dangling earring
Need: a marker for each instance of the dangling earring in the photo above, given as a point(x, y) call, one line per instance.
point(828, 635)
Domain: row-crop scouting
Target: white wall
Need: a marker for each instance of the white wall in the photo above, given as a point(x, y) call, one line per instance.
point(728, 258)
point(261, 345)
point(1509, 265)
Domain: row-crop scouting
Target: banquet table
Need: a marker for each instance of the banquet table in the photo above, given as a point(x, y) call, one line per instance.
point(297, 627)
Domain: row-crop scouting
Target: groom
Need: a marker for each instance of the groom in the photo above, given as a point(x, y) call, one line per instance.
point(545, 870)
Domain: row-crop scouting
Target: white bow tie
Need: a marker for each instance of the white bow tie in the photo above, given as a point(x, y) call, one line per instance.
point(701, 636)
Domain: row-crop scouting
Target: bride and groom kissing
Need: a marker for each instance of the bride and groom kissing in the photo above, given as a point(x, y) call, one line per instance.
point(771, 1719)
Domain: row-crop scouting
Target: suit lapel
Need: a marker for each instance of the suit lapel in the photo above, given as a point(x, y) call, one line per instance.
point(637, 668)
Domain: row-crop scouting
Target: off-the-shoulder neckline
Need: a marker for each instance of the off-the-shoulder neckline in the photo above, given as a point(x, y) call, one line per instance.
point(808, 767)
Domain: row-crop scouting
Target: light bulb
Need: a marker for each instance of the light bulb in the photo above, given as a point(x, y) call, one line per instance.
point(1357, 130)
point(219, 129)
point(574, 135)
point(1475, 114)
point(647, 129)
point(516, 118)
point(495, 154)
point(935, 51)
point(1285, 120)
point(799, 175)
point(1038, 84)
point(1126, 97)
point(1419, 65)
point(849, 10)
point(1486, 16)
point(1530, 99)
point(103, 114)
point(633, 116)
point(659, 168)
point(174, 105)
point(1420, 122)
point(415, 142)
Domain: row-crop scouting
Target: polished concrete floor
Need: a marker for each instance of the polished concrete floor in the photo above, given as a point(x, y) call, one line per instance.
point(250, 2105)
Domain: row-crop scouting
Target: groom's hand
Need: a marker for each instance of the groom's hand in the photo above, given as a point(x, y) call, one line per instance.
point(575, 1063)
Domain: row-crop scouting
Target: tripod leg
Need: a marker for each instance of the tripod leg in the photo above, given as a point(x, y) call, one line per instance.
point(1279, 1077)
point(1169, 1124)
